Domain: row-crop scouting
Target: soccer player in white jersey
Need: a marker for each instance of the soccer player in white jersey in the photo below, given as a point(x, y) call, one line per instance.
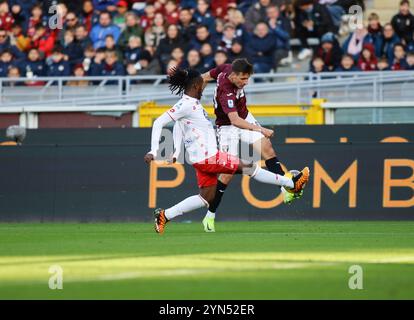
point(197, 132)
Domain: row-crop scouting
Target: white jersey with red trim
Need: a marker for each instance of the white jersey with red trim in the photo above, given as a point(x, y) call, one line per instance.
point(197, 131)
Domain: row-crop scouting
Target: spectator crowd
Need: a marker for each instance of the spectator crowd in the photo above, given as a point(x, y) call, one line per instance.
point(132, 37)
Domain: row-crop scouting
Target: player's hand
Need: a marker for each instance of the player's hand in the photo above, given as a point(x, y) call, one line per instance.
point(148, 158)
point(268, 133)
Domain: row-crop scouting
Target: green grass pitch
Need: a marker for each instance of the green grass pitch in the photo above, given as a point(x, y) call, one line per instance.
point(242, 260)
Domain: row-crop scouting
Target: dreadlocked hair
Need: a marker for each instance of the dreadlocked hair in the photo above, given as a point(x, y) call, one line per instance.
point(182, 79)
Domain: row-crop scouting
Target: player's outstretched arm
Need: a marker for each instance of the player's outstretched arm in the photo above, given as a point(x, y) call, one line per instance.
point(243, 124)
point(206, 78)
point(157, 126)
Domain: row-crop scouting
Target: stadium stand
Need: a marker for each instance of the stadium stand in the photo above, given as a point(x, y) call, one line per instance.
point(118, 37)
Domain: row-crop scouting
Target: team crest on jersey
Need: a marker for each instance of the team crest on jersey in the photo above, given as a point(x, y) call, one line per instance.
point(230, 104)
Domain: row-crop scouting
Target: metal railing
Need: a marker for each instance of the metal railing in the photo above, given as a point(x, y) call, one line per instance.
point(271, 88)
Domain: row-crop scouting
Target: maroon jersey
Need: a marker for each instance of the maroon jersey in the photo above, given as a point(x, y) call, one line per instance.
point(227, 97)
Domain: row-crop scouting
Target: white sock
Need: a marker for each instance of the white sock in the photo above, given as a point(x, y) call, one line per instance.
point(210, 214)
point(271, 178)
point(187, 205)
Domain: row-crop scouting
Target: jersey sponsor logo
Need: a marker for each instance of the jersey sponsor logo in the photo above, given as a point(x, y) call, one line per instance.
point(240, 93)
point(229, 94)
point(230, 104)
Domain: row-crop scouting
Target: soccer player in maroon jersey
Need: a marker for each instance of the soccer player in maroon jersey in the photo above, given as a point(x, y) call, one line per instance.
point(235, 122)
point(197, 132)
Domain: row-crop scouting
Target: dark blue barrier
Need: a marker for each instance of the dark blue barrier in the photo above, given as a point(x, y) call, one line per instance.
point(108, 181)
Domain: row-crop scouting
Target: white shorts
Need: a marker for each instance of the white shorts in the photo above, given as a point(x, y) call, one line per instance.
point(229, 136)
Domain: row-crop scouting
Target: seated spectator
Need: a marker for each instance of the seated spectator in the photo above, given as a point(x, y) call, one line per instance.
point(261, 49)
point(403, 23)
point(148, 17)
point(383, 65)
point(255, 14)
point(389, 40)
point(207, 55)
point(171, 12)
point(186, 25)
point(156, 32)
point(26, 6)
point(312, 20)
point(5, 44)
point(279, 26)
point(82, 36)
point(172, 40)
point(19, 16)
point(347, 64)
point(410, 61)
point(35, 19)
point(43, 40)
point(14, 73)
point(112, 67)
point(6, 62)
point(146, 65)
point(134, 51)
point(202, 14)
point(97, 65)
point(329, 51)
point(178, 55)
point(132, 28)
point(194, 61)
point(367, 60)
point(71, 49)
point(57, 66)
point(229, 34)
point(79, 72)
point(88, 16)
point(236, 18)
point(110, 44)
point(399, 62)
point(6, 18)
point(237, 51)
point(89, 55)
point(19, 39)
point(354, 43)
point(374, 35)
point(70, 23)
point(119, 17)
point(220, 58)
point(218, 29)
point(104, 28)
point(202, 37)
point(33, 67)
point(317, 65)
